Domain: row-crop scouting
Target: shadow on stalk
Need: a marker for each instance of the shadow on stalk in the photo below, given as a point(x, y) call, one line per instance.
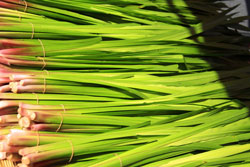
point(226, 63)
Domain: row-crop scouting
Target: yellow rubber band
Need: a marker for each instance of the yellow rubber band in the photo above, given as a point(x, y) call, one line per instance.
point(44, 54)
point(47, 72)
point(37, 99)
point(121, 165)
point(26, 6)
point(72, 151)
point(60, 123)
point(33, 31)
point(64, 110)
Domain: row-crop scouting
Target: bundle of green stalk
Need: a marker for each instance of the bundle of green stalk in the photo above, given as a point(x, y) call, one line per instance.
point(130, 37)
point(207, 138)
point(122, 83)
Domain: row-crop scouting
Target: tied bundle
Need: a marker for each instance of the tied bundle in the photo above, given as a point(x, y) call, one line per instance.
point(122, 83)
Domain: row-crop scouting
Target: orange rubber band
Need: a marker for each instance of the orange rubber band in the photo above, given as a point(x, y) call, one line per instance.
point(26, 6)
point(44, 54)
point(37, 99)
point(64, 110)
point(72, 151)
point(47, 72)
point(33, 31)
point(60, 123)
point(121, 165)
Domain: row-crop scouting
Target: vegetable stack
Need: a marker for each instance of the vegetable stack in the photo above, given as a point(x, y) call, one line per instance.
point(123, 83)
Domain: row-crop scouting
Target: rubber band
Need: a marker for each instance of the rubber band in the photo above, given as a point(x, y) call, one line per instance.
point(44, 64)
point(72, 151)
point(26, 6)
point(33, 31)
point(121, 165)
point(37, 99)
point(59, 127)
point(47, 72)
point(44, 54)
point(64, 110)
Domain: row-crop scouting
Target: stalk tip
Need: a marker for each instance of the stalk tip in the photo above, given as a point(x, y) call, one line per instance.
point(19, 116)
point(26, 160)
point(3, 155)
point(25, 122)
point(32, 115)
point(14, 89)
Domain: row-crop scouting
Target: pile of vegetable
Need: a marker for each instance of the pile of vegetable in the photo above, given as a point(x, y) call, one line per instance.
point(116, 83)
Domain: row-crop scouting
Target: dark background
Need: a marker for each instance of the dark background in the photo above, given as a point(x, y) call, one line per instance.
point(234, 61)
